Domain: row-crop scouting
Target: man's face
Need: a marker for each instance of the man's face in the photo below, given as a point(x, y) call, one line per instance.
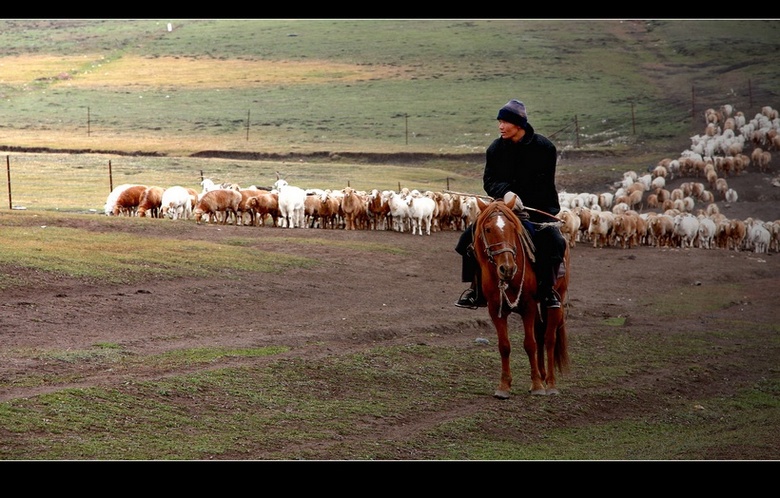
point(509, 130)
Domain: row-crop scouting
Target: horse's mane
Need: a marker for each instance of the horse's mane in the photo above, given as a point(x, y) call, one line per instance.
point(500, 206)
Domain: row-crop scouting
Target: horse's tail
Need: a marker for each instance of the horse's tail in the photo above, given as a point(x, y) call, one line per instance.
point(561, 348)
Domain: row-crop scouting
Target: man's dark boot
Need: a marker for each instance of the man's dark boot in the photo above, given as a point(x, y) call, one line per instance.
point(549, 296)
point(551, 300)
point(468, 299)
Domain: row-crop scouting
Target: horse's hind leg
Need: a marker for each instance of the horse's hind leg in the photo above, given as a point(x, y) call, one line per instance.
point(551, 326)
point(555, 347)
point(539, 333)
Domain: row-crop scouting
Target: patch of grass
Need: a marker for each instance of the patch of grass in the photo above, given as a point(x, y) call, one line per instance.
point(62, 250)
point(181, 357)
point(100, 353)
point(280, 411)
point(685, 300)
point(357, 245)
point(117, 358)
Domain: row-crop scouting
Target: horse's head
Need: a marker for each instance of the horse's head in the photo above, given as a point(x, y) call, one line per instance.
point(497, 238)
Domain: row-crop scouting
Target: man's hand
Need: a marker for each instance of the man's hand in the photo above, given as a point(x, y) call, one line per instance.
point(518, 207)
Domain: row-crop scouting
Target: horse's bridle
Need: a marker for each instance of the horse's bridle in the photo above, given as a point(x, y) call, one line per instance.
point(491, 253)
point(504, 246)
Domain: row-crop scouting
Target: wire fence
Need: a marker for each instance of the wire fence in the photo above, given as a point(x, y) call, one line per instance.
point(32, 183)
point(748, 99)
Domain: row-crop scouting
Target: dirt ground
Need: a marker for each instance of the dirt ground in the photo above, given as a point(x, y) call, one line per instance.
point(359, 299)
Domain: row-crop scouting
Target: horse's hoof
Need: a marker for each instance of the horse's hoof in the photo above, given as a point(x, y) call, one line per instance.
point(501, 394)
point(553, 392)
point(538, 392)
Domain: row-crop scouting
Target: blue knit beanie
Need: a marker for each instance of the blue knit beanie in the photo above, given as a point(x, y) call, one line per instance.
point(514, 112)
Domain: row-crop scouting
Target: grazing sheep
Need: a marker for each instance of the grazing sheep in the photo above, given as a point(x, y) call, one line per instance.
point(218, 204)
point(243, 207)
point(264, 205)
point(128, 200)
point(114, 195)
point(151, 201)
point(177, 203)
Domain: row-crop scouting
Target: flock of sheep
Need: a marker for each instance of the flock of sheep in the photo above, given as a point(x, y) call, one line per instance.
point(285, 205)
point(640, 211)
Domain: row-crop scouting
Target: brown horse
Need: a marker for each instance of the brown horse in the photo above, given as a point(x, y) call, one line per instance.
point(504, 251)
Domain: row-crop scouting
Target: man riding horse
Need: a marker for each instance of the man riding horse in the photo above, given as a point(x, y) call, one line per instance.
point(521, 164)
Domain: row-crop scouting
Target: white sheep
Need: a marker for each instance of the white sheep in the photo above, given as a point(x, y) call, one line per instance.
point(758, 237)
point(292, 201)
point(686, 228)
point(706, 233)
point(176, 203)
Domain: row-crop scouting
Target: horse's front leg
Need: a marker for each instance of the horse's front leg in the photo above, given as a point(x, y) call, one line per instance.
point(530, 345)
point(504, 349)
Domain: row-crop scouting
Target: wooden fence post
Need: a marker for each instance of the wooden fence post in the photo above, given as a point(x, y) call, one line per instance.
point(8, 172)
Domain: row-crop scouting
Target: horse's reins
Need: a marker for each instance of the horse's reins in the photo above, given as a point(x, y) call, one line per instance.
point(525, 208)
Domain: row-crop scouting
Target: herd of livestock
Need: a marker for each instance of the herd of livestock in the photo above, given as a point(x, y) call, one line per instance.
point(639, 211)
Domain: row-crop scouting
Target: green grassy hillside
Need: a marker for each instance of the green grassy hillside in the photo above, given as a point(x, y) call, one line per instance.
point(396, 85)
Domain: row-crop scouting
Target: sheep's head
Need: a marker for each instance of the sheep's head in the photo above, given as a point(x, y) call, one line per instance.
point(198, 213)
